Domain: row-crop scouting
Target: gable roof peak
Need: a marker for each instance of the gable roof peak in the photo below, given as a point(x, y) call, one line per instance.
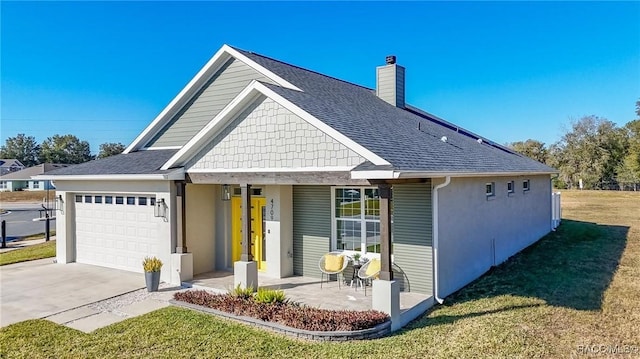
point(300, 68)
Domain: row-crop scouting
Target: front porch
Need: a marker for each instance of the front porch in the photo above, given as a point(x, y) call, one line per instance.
point(307, 291)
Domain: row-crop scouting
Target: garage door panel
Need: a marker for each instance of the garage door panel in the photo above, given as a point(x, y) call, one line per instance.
point(116, 235)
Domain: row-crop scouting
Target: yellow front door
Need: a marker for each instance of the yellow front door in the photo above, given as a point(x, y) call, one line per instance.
point(258, 205)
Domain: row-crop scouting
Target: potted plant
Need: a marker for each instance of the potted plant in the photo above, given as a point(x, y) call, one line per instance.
point(356, 258)
point(152, 266)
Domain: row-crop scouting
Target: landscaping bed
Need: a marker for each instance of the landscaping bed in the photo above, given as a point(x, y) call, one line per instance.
point(276, 309)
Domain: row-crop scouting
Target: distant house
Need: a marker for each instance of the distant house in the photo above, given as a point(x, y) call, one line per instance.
point(10, 165)
point(262, 166)
point(21, 180)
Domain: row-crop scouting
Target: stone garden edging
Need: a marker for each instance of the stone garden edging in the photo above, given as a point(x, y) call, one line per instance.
point(378, 331)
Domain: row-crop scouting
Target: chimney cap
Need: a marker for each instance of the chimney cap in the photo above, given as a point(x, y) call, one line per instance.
point(391, 59)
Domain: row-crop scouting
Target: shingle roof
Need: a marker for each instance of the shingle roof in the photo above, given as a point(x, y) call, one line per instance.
point(410, 140)
point(141, 162)
point(25, 174)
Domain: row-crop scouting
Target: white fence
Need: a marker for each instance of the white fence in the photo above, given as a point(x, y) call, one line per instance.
point(556, 210)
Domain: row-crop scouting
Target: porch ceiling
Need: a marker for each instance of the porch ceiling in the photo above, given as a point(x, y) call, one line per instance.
point(279, 178)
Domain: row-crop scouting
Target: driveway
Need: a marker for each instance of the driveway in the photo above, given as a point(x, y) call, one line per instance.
point(41, 288)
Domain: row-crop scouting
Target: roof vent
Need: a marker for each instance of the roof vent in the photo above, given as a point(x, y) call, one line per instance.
point(443, 138)
point(391, 59)
point(479, 140)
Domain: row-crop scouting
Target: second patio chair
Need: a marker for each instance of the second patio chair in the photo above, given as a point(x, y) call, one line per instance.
point(332, 263)
point(369, 270)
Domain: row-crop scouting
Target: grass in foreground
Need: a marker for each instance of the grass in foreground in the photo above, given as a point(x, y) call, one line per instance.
point(36, 251)
point(577, 286)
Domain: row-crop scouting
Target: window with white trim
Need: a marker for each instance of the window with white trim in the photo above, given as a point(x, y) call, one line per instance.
point(356, 213)
point(526, 185)
point(36, 184)
point(510, 187)
point(490, 189)
point(3, 184)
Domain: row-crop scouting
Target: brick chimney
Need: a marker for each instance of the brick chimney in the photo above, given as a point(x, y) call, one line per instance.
point(390, 82)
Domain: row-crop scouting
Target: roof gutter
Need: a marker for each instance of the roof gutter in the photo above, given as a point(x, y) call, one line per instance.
point(172, 176)
point(391, 174)
point(436, 237)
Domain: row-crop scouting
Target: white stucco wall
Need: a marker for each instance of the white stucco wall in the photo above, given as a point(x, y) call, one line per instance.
point(279, 231)
point(201, 225)
point(65, 218)
point(477, 232)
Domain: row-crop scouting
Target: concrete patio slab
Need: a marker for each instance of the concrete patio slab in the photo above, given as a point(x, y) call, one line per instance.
point(306, 290)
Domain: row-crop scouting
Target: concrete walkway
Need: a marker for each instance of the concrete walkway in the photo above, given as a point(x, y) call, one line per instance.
point(100, 314)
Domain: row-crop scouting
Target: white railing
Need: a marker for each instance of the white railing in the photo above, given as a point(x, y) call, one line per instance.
point(556, 210)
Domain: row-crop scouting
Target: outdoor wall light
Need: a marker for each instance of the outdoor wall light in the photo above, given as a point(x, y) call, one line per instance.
point(59, 203)
point(226, 192)
point(160, 209)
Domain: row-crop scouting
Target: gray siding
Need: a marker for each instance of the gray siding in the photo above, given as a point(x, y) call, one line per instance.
point(390, 84)
point(412, 235)
point(211, 99)
point(311, 228)
point(267, 135)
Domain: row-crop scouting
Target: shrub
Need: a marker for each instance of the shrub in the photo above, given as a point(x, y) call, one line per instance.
point(290, 314)
point(242, 292)
point(151, 264)
point(268, 296)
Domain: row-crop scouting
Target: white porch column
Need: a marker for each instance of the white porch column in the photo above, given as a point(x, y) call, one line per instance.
point(65, 229)
point(245, 271)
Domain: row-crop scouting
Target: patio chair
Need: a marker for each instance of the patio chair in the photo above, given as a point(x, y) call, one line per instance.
point(369, 270)
point(332, 263)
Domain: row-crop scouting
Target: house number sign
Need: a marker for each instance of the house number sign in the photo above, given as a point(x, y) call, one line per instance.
point(271, 208)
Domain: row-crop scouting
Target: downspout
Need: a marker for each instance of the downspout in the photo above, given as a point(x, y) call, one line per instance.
point(436, 234)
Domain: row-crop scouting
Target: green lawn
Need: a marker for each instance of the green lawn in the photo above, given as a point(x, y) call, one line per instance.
point(577, 287)
point(36, 251)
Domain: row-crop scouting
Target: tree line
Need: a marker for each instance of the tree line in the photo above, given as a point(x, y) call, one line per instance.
point(67, 149)
point(593, 151)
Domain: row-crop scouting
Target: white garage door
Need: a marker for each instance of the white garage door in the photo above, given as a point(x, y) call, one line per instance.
point(116, 230)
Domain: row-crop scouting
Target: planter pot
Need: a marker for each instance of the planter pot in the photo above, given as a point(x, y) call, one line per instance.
point(153, 281)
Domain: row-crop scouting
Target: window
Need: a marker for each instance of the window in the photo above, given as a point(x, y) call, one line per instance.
point(152, 201)
point(78, 198)
point(131, 200)
point(525, 185)
point(142, 201)
point(97, 199)
point(510, 187)
point(36, 184)
point(119, 200)
point(357, 219)
point(108, 199)
point(490, 189)
point(3, 184)
point(87, 199)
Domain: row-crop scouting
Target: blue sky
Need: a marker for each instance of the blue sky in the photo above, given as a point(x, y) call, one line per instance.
point(506, 70)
